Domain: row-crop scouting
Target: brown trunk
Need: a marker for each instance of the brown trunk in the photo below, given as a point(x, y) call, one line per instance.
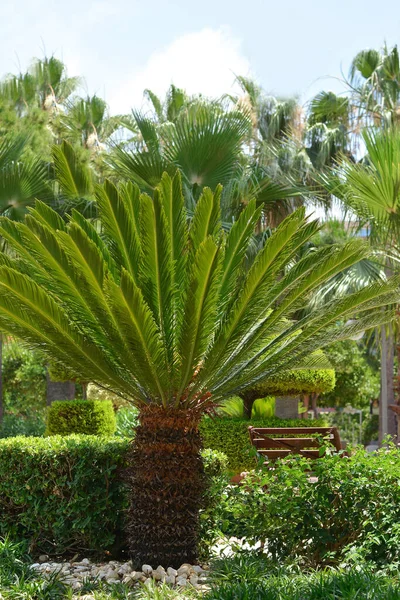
point(306, 404)
point(314, 398)
point(166, 481)
point(248, 401)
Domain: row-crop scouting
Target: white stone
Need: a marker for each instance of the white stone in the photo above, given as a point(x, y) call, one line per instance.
point(85, 561)
point(111, 574)
point(148, 582)
point(198, 569)
point(183, 570)
point(181, 581)
point(137, 575)
point(172, 572)
point(194, 579)
point(170, 579)
point(147, 569)
point(76, 585)
point(159, 574)
point(43, 558)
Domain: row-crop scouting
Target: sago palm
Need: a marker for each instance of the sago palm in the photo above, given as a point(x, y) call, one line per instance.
point(161, 310)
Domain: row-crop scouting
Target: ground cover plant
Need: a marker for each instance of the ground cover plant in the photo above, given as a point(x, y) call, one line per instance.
point(164, 311)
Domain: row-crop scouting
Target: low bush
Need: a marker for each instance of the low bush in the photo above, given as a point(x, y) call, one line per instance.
point(350, 515)
point(126, 421)
point(231, 436)
point(65, 494)
point(89, 417)
point(14, 425)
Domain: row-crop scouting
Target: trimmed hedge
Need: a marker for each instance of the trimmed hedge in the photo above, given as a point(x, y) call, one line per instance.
point(301, 381)
point(231, 437)
point(89, 417)
point(65, 494)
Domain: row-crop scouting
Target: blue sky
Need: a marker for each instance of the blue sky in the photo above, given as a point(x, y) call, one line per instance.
point(124, 46)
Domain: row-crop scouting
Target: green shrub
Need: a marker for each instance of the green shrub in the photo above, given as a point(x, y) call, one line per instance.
point(231, 436)
point(65, 494)
point(234, 407)
point(23, 424)
point(62, 493)
point(350, 515)
point(126, 421)
point(89, 417)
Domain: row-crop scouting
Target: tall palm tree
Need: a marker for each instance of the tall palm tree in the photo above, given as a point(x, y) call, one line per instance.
point(160, 309)
point(374, 82)
point(371, 189)
point(87, 122)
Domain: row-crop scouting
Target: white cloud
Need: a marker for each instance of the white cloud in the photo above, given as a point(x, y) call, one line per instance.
point(205, 61)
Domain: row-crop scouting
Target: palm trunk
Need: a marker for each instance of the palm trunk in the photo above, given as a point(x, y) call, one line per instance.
point(387, 419)
point(166, 481)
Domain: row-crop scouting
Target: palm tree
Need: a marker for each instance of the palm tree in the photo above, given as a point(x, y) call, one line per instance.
point(88, 123)
point(371, 189)
point(160, 309)
point(375, 86)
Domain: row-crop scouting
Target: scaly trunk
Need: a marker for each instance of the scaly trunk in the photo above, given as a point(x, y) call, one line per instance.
point(166, 481)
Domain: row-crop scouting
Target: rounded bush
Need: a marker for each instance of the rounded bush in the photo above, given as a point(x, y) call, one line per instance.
point(89, 417)
point(301, 381)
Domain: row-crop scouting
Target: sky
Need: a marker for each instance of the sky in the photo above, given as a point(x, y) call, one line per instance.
point(122, 47)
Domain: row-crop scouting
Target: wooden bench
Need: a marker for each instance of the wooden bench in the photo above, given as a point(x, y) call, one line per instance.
point(269, 442)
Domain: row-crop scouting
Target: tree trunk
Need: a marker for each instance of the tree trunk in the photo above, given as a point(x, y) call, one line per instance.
point(166, 481)
point(59, 390)
point(314, 399)
point(248, 401)
point(306, 404)
point(387, 418)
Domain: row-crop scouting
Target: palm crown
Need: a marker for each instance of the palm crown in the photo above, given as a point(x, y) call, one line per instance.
point(160, 308)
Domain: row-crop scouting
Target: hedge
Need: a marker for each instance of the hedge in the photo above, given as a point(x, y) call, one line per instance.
point(89, 417)
point(62, 493)
point(231, 436)
point(301, 381)
point(65, 494)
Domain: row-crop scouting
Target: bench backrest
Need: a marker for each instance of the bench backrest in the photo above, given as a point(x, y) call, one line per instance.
point(269, 443)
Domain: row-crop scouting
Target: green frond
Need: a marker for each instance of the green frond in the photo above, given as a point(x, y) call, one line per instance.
point(207, 217)
point(199, 323)
point(73, 176)
point(119, 218)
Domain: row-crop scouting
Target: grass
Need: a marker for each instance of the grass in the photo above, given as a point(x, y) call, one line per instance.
point(245, 576)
